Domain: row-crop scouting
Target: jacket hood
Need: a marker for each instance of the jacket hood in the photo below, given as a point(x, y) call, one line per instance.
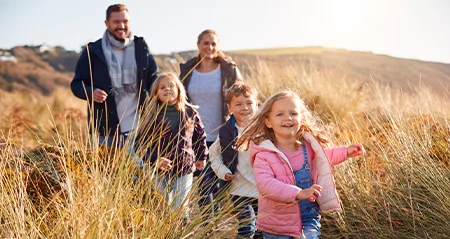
point(268, 146)
point(265, 146)
point(193, 61)
point(97, 45)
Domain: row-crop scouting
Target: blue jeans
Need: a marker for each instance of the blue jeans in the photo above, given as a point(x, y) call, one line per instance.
point(175, 190)
point(246, 208)
point(309, 210)
point(125, 139)
point(307, 233)
point(273, 236)
point(208, 186)
point(310, 232)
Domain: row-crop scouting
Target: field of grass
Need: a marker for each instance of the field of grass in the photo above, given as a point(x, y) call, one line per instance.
point(55, 184)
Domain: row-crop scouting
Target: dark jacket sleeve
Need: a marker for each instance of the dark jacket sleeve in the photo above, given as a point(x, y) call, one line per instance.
point(151, 143)
point(182, 71)
point(145, 141)
point(199, 140)
point(237, 73)
point(81, 82)
point(152, 155)
point(152, 67)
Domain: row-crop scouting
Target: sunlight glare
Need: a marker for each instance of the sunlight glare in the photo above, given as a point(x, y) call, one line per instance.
point(344, 19)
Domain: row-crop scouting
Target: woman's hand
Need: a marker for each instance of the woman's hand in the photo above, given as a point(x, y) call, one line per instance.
point(310, 193)
point(355, 150)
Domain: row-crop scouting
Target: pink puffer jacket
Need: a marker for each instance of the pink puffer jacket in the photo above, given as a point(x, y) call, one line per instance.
point(279, 212)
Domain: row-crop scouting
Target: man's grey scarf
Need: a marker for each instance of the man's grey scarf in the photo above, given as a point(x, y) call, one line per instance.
point(123, 76)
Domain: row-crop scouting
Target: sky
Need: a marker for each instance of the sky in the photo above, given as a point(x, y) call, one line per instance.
point(414, 29)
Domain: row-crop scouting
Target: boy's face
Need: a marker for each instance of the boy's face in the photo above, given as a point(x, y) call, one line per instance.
point(243, 108)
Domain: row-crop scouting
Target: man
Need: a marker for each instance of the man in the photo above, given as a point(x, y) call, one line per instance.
point(113, 74)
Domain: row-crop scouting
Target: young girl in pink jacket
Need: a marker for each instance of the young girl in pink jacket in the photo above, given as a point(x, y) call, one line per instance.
point(292, 170)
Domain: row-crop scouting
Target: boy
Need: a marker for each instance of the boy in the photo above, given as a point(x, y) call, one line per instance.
point(233, 166)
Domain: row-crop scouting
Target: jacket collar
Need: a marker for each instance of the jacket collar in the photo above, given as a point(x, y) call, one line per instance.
point(267, 145)
point(231, 122)
point(191, 63)
point(97, 49)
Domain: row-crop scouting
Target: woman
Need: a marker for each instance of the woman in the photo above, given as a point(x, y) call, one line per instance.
point(206, 77)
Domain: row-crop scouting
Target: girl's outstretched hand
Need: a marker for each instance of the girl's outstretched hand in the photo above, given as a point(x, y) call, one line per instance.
point(355, 150)
point(310, 193)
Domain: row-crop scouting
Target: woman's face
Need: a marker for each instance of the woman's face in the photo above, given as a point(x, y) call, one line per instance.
point(208, 46)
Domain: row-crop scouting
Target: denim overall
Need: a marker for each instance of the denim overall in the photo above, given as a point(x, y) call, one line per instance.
point(309, 210)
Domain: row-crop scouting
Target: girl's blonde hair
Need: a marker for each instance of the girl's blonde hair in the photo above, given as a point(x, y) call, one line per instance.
point(182, 100)
point(257, 131)
point(154, 106)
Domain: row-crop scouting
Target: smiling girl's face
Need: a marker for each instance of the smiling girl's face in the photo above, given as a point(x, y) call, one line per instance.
point(284, 118)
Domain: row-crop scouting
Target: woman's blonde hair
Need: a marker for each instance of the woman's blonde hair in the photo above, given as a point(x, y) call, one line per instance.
point(257, 130)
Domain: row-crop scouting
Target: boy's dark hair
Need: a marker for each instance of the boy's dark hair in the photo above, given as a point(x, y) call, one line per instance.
point(240, 88)
point(115, 8)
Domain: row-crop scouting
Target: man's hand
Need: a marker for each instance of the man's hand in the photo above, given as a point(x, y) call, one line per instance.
point(99, 96)
point(164, 164)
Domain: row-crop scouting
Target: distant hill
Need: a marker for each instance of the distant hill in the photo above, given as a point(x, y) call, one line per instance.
point(32, 72)
point(357, 65)
point(38, 71)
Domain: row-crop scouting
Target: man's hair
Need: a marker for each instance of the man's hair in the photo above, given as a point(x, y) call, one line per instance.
point(115, 8)
point(240, 88)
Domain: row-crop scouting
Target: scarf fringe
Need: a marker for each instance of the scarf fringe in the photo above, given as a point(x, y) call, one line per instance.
point(126, 90)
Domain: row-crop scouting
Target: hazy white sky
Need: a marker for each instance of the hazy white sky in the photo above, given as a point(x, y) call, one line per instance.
point(417, 29)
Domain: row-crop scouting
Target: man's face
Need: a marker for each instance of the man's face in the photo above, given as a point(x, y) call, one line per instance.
point(118, 25)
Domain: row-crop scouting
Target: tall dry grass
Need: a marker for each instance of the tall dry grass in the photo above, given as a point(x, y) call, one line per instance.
point(56, 184)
